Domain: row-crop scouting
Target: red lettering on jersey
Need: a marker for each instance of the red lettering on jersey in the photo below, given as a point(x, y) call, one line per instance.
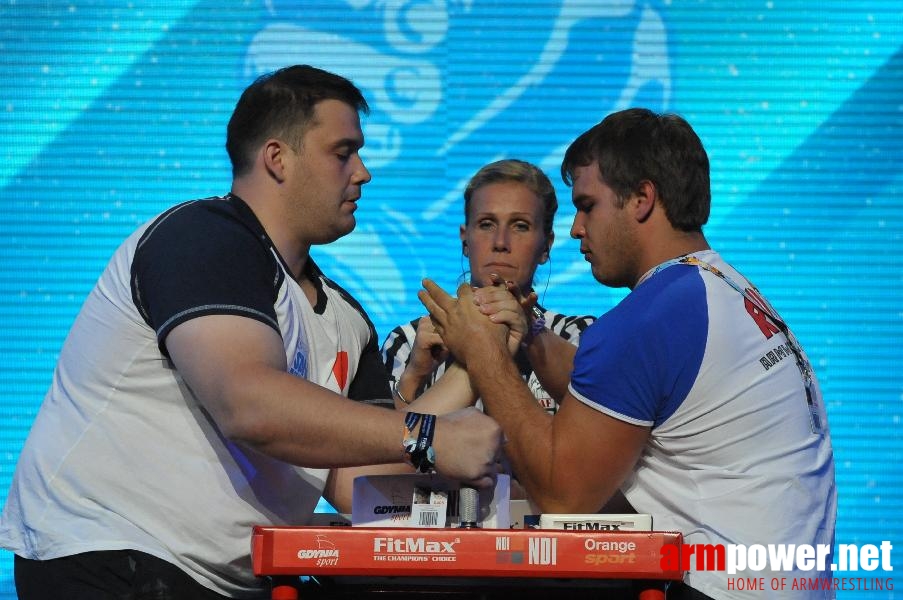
point(340, 368)
point(767, 328)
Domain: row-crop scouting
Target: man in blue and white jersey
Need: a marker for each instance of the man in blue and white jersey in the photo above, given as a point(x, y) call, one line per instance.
point(691, 397)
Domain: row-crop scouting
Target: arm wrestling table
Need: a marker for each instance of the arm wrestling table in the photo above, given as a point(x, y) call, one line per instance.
point(390, 559)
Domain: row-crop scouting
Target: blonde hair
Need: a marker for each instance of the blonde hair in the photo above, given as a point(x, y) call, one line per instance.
point(512, 169)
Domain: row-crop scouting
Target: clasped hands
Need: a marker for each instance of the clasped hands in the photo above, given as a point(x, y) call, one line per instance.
point(479, 320)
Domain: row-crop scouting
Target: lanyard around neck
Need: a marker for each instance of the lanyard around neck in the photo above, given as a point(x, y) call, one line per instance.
point(752, 295)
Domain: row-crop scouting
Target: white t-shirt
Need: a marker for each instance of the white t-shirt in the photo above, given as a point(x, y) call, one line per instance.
point(122, 455)
point(736, 454)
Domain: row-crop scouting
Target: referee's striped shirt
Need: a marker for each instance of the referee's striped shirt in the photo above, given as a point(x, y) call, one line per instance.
point(396, 352)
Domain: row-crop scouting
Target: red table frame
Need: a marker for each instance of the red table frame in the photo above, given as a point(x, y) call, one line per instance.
point(490, 553)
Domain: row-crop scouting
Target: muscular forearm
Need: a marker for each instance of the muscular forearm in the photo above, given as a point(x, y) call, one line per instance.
point(527, 427)
point(322, 429)
point(235, 368)
point(315, 428)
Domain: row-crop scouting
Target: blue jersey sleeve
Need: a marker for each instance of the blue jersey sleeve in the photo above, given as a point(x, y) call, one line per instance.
point(639, 361)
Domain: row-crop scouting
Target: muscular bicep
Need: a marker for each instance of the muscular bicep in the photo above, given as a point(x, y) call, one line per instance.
point(222, 358)
point(592, 455)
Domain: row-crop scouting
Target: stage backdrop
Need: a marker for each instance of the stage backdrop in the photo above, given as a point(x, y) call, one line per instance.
point(113, 111)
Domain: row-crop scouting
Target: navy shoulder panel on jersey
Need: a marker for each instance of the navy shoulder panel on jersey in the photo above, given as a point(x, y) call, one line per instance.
point(204, 257)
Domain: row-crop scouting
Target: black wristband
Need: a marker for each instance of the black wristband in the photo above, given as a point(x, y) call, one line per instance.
point(418, 449)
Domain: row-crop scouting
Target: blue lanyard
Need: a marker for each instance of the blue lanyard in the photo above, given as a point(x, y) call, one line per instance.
point(804, 366)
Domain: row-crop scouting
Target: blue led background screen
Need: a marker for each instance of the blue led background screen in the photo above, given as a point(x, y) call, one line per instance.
point(111, 112)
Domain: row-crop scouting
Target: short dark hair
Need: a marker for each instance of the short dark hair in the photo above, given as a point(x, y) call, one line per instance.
point(281, 104)
point(519, 171)
point(636, 145)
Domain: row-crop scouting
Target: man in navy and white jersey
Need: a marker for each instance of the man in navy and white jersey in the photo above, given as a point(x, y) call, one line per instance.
point(215, 379)
point(691, 396)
